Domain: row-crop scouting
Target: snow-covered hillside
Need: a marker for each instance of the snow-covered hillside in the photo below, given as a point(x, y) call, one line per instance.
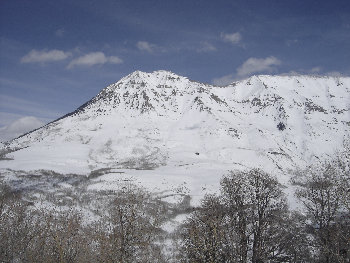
point(164, 129)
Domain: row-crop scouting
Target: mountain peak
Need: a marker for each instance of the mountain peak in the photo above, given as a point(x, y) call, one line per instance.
point(162, 91)
point(158, 74)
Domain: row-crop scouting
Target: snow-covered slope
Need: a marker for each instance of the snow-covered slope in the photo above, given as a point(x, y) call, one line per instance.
point(174, 129)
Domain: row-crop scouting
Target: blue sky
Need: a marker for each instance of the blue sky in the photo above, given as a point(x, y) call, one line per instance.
point(56, 55)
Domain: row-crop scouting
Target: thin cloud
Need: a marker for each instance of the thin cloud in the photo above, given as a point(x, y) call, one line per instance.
point(145, 46)
point(206, 47)
point(291, 42)
point(94, 58)
point(14, 104)
point(41, 56)
point(249, 67)
point(19, 127)
point(233, 38)
point(59, 32)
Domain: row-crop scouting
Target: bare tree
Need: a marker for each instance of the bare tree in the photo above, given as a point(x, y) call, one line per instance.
point(129, 231)
point(60, 237)
point(256, 199)
point(15, 226)
point(243, 224)
point(323, 190)
point(204, 237)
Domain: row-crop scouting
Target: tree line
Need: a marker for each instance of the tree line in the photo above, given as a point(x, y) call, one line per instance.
point(249, 220)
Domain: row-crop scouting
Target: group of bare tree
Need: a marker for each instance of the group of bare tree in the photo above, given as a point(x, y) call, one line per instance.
point(249, 221)
point(127, 232)
point(324, 192)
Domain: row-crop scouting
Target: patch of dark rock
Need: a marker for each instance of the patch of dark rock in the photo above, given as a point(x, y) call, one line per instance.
point(276, 153)
point(281, 126)
point(310, 106)
point(99, 172)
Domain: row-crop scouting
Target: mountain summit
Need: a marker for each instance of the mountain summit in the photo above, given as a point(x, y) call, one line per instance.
point(170, 125)
point(141, 92)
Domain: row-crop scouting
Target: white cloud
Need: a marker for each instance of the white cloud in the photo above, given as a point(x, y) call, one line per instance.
point(7, 118)
point(256, 65)
point(316, 70)
point(37, 56)
point(233, 38)
point(145, 46)
point(250, 66)
point(19, 127)
point(94, 58)
point(334, 74)
point(206, 47)
point(114, 60)
point(225, 80)
point(300, 72)
point(291, 73)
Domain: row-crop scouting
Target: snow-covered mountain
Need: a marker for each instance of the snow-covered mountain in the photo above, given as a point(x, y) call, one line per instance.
point(167, 128)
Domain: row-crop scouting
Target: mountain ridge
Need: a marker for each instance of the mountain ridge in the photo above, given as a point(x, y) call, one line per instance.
point(172, 75)
point(160, 119)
